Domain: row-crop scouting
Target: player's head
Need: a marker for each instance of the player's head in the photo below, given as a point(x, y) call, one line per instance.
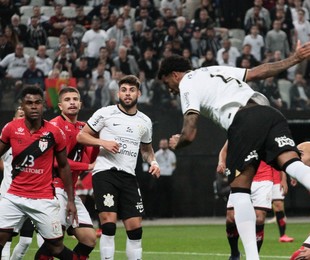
point(69, 101)
point(129, 91)
point(19, 113)
point(304, 149)
point(163, 144)
point(172, 70)
point(32, 99)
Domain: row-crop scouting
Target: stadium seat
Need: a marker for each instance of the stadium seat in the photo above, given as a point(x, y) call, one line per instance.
point(30, 51)
point(26, 10)
point(284, 89)
point(236, 43)
point(69, 11)
point(48, 10)
point(37, 2)
point(237, 33)
point(24, 20)
point(87, 9)
point(52, 42)
point(51, 53)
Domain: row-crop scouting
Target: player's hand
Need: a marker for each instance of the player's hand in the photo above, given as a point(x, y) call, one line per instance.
point(302, 51)
point(173, 141)
point(304, 254)
point(79, 184)
point(221, 167)
point(294, 182)
point(91, 166)
point(111, 146)
point(72, 212)
point(154, 169)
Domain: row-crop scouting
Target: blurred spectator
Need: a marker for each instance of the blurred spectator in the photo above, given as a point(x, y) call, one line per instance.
point(73, 37)
point(281, 5)
point(213, 41)
point(43, 61)
point(198, 45)
point(256, 19)
point(159, 33)
point(277, 56)
point(7, 9)
point(146, 90)
point(98, 11)
point(152, 11)
point(262, 13)
point(276, 40)
point(286, 25)
point(297, 5)
point(100, 70)
point(57, 22)
point(174, 5)
point(299, 93)
point(111, 47)
point(82, 71)
point(144, 17)
point(204, 21)
point(15, 64)
point(108, 62)
point(6, 47)
point(184, 30)
point(10, 35)
point(147, 41)
point(209, 59)
point(168, 17)
point(208, 5)
point(33, 75)
point(102, 93)
point(172, 34)
point(36, 34)
point(162, 99)
point(19, 29)
point(126, 63)
point(43, 19)
point(246, 53)
point(128, 20)
point(118, 31)
point(225, 61)
point(194, 60)
point(233, 52)
point(306, 4)
point(270, 89)
point(93, 39)
point(113, 86)
point(81, 18)
point(131, 48)
point(257, 43)
point(64, 61)
point(148, 65)
point(136, 34)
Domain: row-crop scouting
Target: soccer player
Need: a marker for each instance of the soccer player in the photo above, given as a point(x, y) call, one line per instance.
point(120, 131)
point(35, 143)
point(255, 131)
point(303, 253)
point(70, 105)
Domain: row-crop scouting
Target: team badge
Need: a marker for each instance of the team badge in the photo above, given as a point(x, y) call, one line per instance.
point(108, 200)
point(43, 143)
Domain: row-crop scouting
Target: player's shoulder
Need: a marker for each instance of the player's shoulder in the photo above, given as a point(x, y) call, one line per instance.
point(56, 121)
point(50, 126)
point(143, 117)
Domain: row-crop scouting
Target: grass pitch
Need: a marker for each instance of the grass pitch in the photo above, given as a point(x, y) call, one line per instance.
point(195, 242)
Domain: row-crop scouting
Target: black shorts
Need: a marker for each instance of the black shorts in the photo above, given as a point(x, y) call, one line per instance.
point(257, 133)
point(117, 191)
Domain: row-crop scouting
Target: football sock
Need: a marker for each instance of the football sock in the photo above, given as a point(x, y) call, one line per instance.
point(299, 171)
point(83, 250)
point(67, 254)
point(107, 247)
point(40, 240)
point(245, 220)
point(6, 251)
point(233, 237)
point(281, 222)
point(306, 243)
point(21, 248)
point(134, 244)
point(259, 236)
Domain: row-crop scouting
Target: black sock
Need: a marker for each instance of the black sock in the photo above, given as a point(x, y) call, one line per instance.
point(67, 254)
point(233, 236)
point(281, 222)
point(83, 250)
point(259, 236)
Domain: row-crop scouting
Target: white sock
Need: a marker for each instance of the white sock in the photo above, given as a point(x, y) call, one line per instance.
point(40, 240)
point(245, 219)
point(307, 241)
point(134, 249)
point(21, 248)
point(107, 247)
point(300, 172)
point(6, 251)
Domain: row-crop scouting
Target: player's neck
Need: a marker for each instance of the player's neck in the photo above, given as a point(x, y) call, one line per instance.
point(130, 111)
point(33, 125)
point(70, 118)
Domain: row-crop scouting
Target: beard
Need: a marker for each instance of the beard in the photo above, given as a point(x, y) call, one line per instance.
point(130, 105)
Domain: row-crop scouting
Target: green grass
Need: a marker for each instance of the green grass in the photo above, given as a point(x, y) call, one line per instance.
point(196, 242)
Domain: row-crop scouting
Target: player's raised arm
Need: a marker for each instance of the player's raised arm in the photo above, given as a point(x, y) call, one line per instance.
point(267, 70)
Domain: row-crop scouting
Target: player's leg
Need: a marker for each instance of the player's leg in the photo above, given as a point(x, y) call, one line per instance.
point(6, 251)
point(260, 224)
point(232, 233)
point(245, 217)
point(25, 240)
point(134, 238)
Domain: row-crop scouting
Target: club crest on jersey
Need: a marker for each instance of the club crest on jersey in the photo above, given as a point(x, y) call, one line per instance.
point(283, 140)
point(108, 200)
point(43, 143)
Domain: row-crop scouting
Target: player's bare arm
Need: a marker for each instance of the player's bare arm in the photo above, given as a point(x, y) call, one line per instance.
point(267, 70)
point(148, 155)
point(283, 183)
point(3, 148)
point(188, 132)
point(65, 175)
point(88, 137)
point(221, 165)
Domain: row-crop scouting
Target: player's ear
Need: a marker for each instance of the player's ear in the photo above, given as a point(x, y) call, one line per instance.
point(60, 106)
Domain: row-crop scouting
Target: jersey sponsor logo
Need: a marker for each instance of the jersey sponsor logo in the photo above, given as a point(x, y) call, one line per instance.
point(186, 94)
point(283, 141)
point(20, 131)
point(97, 120)
point(108, 200)
point(139, 206)
point(252, 155)
point(129, 130)
point(114, 124)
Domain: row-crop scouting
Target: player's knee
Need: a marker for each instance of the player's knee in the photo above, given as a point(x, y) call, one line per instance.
point(135, 234)
point(230, 217)
point(108, 229)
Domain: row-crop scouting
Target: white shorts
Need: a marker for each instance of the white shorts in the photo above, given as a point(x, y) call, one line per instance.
point(84, 192)
point(83, 215)
point(277, 192)
point(261, 192)
point(44, 213)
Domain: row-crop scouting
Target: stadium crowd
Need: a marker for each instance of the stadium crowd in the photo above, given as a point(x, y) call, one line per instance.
point(99, 41)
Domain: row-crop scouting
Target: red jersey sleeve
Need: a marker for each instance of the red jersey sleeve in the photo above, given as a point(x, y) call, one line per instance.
point(60, 139)
point(5, 134)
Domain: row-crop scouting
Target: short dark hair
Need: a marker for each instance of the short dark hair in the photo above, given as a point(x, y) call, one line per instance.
point(131, 80)
point(31, 90)
point(67, 90)
point(173, 63)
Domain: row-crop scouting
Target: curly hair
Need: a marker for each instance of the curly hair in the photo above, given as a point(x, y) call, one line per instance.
point(173, 63)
